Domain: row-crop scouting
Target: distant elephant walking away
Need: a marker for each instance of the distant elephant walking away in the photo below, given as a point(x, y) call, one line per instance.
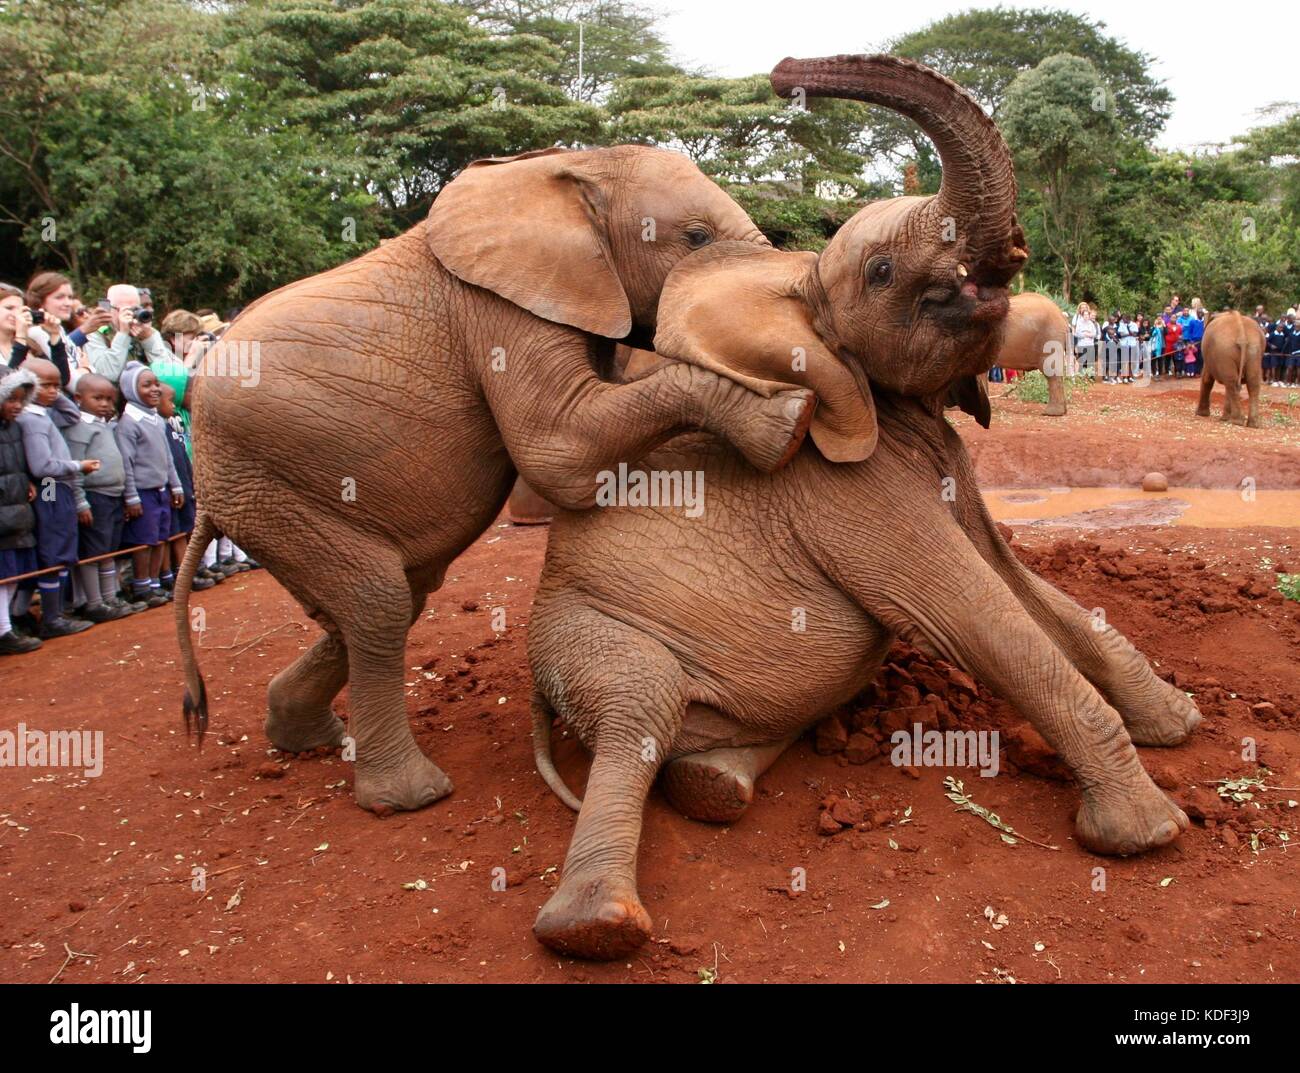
point(1037, 336)
point(375, 416)
point(1233, 349)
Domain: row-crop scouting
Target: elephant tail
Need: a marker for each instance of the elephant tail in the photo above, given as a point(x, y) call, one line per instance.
point(542, 716)
point(195, 705)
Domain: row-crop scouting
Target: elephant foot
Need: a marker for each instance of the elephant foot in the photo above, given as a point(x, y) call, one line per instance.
point(785, 419)
point(301, 733)
point(1123, 821)
point(708, 786)
point(1252, 422)
point(717, 786)
point(598, 918)
point(414, 783)
point(1166, 717)
point(1054, 411)
point(1203, 412)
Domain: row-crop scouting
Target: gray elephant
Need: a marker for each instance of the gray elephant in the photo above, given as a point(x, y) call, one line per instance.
point(375, 415)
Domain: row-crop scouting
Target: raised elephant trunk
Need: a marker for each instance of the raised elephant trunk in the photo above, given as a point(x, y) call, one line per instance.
point(978, 190)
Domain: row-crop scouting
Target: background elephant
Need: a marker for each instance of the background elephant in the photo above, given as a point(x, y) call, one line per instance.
point(1233, 349)
point(675, 643)
point(1037, 336)
point(397, 394)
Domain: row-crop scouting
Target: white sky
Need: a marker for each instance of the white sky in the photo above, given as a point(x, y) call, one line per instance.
point(1255, 45)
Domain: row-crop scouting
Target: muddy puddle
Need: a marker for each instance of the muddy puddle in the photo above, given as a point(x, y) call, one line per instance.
point(1114, 508)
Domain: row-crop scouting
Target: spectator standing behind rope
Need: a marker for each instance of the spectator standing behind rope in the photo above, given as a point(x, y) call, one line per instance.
point(1085, 338)
point(50, 297)
point(17, 521)
point(1192, 336)
point(15, 323)
point(132, 340)
point(1156, 347)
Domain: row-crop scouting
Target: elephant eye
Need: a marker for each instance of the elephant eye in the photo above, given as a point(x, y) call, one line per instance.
point(697, 237)
point(880, 270)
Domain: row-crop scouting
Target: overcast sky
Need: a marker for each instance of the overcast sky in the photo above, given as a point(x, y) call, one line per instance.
point(1256, 41)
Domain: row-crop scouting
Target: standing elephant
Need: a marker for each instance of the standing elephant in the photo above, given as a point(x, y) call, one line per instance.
point(393, 398)
point(699, 646)
point(1233, 349)
point(1037, 336)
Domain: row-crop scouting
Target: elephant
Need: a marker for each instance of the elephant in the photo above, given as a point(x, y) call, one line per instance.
point(698, 645)
point(1233, 349)
point(1037, 336)
point(395, 397)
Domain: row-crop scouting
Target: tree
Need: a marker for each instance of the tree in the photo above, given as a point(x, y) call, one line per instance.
point(796, 171)
point(116, 163)
point(1061, 125)
point(1234, 254)
point(985, 51)
point(619, 39)
point(399, 95)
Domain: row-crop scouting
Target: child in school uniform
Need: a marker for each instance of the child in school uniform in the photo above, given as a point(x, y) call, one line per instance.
point(17, 522)
point(101, 508)
point(153, 486)
point(54, 471)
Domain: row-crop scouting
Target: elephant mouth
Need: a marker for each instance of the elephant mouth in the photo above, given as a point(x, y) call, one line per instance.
point(972, 304)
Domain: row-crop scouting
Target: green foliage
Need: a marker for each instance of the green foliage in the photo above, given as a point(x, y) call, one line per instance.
point(1232, 253)
point(1061, 124)
point(1032, 386)
point(985, 51)
point(1289, 586)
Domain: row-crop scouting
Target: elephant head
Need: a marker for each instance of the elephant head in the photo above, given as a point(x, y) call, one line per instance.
point(909, 296)
point(582, 237)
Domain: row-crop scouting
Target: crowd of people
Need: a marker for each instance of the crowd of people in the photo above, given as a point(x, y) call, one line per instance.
point(96, 481)
point(1123, 348)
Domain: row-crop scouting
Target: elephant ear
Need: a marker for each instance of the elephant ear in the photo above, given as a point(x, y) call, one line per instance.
point(737, 309)
point(971, 394)
point(531, 228)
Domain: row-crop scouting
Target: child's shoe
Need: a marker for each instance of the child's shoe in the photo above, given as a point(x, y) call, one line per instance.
point(102, 613)
point(26, 624)
point(236, 565)
point(128, 607)
point(200, 583)
point(62, 627)
point(15, 644)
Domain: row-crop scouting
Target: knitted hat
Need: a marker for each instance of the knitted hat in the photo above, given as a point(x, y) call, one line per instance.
point(130, 377)
point(19, 378)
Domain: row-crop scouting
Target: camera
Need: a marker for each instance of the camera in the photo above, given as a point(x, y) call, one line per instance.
point(38, 316)
point(141, 315)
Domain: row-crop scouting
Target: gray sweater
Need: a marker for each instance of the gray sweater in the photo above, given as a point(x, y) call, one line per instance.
point(110, 358)
point(47, 451)
point(146, 457)
point(92, 438)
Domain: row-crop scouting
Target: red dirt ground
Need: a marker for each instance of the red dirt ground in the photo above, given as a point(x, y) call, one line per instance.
point(303, 885)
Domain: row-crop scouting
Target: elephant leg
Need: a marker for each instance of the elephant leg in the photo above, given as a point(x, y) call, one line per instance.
point(981, 625)
point(1253, 385)
point(1207, 386)
point(562, 445)
point(1231, 400)
point(1154, 712)
point(717, 786)
point(1055, 396)
point(299, 717)
point(625, 694)
point(359, 586)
